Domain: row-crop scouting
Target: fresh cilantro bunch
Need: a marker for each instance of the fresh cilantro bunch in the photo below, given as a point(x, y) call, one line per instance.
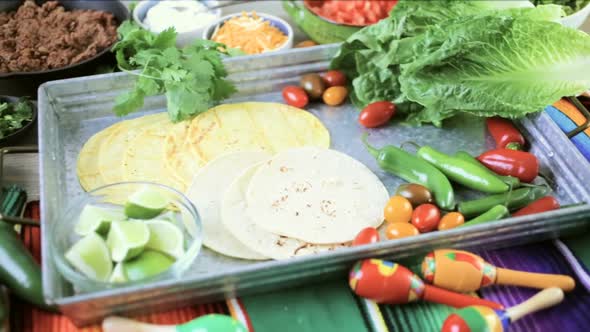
point(192, 78)
point(14, 116)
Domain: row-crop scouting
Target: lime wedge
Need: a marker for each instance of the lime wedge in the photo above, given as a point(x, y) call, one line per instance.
point(127, 239)
point(165, 237)
point(146, 203)
point(118, 274)
point(90, 256)
point(148, 264)
point(97, 219)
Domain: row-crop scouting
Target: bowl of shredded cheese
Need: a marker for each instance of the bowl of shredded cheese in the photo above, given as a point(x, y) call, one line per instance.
point(251, 33)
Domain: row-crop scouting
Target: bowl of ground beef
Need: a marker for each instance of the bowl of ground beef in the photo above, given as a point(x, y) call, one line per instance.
point(43, 41)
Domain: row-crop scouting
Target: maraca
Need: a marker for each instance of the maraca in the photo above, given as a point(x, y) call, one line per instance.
point(484, 319)
point(462, 271)
point(207, 323)
point(391, 283)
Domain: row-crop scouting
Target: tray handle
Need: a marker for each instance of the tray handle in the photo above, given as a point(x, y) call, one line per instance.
point(16, 150)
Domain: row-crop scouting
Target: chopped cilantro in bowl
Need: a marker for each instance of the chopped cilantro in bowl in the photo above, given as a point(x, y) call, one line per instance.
point(14, 115)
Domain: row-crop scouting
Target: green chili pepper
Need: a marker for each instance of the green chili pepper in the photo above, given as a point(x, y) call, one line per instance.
point(511, 181)
point(513, 200)
point(18, 269)
point(463, 172)
point(415, 170)
point(496, 213)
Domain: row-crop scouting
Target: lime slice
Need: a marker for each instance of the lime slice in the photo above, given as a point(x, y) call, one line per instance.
point(90, 256)
point(118, 274)
point(127, 239)
point(97, 219)
point(146, 203)
point(165, 237)
point(148, 264)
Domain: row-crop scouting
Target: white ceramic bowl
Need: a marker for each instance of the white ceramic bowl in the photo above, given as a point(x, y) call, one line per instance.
point(275, 21)
point(183, 38)
point(577, 19)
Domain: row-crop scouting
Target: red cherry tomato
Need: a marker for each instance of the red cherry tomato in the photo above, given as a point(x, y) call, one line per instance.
point(546, 203)
point(334, 78)
point(366, 236)
point(426, 217)
point(377, 114)
point(295, 96)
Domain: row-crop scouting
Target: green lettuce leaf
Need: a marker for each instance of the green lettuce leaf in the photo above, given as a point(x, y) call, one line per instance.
point(495, 65)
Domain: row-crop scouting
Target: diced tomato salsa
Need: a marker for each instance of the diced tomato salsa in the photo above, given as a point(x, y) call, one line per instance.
point(352, 12)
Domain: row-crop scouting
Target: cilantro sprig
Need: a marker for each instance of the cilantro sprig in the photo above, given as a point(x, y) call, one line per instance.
point(192, 78)
point(14, 116)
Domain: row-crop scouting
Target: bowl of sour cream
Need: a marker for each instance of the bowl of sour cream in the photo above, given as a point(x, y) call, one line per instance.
point(188, 17)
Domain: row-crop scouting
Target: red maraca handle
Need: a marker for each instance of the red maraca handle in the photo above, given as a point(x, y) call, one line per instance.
point(457, 300)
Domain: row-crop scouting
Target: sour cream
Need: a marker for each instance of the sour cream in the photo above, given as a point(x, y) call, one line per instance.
point(183, 15)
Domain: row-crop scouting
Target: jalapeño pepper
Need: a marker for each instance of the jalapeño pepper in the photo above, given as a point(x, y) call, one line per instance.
point(496, 213)
point(463, 172)
point(515, 199)
point(414, 170)
point(511, 181)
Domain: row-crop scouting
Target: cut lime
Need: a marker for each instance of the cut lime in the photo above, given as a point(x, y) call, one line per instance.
point(127, 239)
point(90, 256)
point(97, 219)
point(118, 274)
point(146, 203)
point(165, 237)
point(149, 263)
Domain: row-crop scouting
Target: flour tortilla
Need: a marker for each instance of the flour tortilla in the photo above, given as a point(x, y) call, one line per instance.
point(144, 157)
point(235, 219)
point(316, 195)
point(113, 148)
point(179, 159)
point(206, 192)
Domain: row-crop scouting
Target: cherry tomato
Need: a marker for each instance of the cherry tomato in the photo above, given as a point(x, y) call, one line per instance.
point(313, 84)
point(366, 236)
point(334, 78)
point(397, 230)
point(335, 95)
point(377, 114)
point(426, 217)
point(306, 43)
point(415, 193)
point(451, 220)
point(295, 96)
point(398, 209)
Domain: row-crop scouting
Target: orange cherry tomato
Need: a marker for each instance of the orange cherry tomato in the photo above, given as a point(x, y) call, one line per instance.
point(451, 220)
point(335, 95)
point(295, 96)
point(306, 43)
point(366, 236)
point(398, 230)
point(426, 217)
point(334, 78)
point(398, 209)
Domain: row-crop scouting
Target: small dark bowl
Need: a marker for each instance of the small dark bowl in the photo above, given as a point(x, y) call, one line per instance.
point(17, 135)
point(26, 83)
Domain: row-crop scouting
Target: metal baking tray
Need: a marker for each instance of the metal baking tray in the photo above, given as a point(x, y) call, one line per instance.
point(70, 111)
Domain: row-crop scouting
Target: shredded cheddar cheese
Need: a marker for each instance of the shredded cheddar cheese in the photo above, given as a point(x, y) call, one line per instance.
point(249, 33)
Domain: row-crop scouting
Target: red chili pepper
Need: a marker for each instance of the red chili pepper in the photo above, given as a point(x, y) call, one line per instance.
point(544, 204)
point(520, 164)
point(505, 134)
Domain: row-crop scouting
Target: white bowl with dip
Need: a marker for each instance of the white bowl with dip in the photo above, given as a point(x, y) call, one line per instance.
point(274, 21)
point(184, 15)
point(577, 19)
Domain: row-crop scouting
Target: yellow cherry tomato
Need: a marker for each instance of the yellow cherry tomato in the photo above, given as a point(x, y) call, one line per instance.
point(397, 230)
point(398, 209)
point(451, 220)
point(335, 95)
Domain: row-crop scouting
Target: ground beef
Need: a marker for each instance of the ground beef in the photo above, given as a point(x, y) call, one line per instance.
point(46, 37)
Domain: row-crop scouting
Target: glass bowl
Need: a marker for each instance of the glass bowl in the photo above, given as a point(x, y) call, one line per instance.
point(115, 195)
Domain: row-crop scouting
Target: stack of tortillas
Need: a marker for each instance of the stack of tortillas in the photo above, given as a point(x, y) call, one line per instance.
point(260, 174)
